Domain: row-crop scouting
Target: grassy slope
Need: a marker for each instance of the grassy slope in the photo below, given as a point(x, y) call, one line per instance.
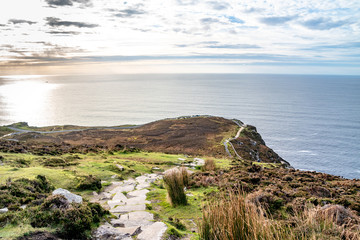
point(103, 166)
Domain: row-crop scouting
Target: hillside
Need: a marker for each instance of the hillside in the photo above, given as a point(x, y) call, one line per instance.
point(198, 136)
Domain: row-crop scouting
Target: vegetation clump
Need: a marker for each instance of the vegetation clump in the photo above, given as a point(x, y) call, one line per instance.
point(43, 210)
point(174, 181)
point(23, 191)
point(209, 165)
point(90, 183)
point(59, 162)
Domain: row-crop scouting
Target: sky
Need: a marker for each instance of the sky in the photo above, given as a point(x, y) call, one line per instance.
point(179, 36)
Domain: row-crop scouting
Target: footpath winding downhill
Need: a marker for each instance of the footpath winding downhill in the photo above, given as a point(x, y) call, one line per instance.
point(127, 201)
point(228, 141)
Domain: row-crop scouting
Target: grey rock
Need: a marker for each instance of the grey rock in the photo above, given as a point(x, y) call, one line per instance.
point(106, 232)
point(138, 193)
point(153, 232)
point(117, 224)
point(128, 208)
point(68, 195)
point(130, 231)
point(121, 168)
point(138, 218)
point(199, 161)
point(4, 210)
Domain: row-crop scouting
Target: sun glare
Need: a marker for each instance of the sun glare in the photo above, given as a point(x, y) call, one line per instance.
point(27, 101)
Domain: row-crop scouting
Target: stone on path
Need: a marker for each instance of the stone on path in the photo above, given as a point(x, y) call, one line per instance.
point(132, 219)
point(128, 208)
point(68, 195)
point(138, 193)
point(153, 232)
point(106, 232)
point(131, 231)
point(126, 186)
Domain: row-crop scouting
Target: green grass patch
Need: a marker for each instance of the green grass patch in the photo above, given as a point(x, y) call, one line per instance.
point(175, 217)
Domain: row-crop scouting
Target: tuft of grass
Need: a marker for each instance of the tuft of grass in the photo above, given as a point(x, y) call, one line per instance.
point(231, 217)
point(185, 175)
point(174, 181)
point(209, 165)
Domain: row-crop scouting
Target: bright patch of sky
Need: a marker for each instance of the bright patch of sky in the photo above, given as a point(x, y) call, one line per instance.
point(224, 36)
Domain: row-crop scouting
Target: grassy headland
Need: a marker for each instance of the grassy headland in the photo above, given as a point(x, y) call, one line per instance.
point(81, 160)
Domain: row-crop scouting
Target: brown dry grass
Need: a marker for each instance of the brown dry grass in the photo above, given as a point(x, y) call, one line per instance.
point(231, 217)
point(174, 181)
point(209, 165)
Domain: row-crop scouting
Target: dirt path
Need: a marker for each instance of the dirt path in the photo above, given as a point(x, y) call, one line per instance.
point(228, 141)
point(127, 201)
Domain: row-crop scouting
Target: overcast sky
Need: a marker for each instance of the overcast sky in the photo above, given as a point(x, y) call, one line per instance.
point(111, 36)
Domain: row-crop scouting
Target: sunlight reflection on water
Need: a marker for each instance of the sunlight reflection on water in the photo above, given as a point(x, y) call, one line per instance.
point(29, 100)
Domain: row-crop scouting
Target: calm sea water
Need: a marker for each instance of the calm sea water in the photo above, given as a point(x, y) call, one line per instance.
point(311, 121)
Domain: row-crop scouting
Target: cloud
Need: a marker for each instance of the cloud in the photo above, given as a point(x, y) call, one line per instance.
point(253, 10)
point(216, 44)
point(60, 3)
point(57, 22)
point(218, 5)
point(323, 23)
point(187, 2)
point(235, 19)
point(128, 12)
point(233, 46)
point(20, 21)
point(64, 32)
point(343, 46)
point(276, 20)
point(209, 20)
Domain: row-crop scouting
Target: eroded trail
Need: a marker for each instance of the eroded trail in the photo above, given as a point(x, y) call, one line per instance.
point(228, 141)
point(127, 201)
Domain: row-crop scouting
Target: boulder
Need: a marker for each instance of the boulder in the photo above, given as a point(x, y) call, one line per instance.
point(68, 195)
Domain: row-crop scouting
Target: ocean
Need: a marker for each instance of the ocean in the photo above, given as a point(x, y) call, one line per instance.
point(313, 122)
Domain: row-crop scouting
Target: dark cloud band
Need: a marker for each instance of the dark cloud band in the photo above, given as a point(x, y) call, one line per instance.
point(60, 3)
point(20, 21)
point(57, 22)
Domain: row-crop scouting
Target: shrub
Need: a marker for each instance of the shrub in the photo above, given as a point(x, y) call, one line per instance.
point(90, 183)
point(73, 220)
point(174, 182)
point(173, 233)
point(22, 191)
point(209, 165)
